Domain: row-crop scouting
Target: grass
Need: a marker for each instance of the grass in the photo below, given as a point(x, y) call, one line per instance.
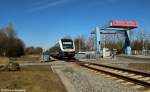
point(4, 60)
point(32, 79)
point(22, 59)
point(140, 66)
point(27, 59)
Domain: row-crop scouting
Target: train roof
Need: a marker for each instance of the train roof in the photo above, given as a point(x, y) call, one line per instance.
point(66, 39)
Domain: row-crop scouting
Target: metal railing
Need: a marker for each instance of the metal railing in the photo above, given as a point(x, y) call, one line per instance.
point(141, 52)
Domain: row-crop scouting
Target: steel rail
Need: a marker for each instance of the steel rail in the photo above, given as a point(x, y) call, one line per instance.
point(119, 68)
point(140, 82)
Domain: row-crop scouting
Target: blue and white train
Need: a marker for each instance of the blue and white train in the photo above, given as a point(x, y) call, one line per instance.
point(64, 48)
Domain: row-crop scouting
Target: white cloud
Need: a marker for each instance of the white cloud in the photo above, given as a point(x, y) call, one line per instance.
point(45, 5)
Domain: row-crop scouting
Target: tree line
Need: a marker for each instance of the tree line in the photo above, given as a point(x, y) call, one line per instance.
point(33, 50)
point(12, 46)
point(84, 43)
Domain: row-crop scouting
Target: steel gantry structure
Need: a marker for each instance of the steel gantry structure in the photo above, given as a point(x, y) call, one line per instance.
point(114, 27)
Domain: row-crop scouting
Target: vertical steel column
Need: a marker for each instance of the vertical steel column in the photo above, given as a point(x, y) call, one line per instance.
point(98, 42)
point(143, 40)
point(127, 46)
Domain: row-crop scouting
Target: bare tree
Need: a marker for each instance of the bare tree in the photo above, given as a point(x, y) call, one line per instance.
point(33, 50)
point(10, 32)
point(10, 45)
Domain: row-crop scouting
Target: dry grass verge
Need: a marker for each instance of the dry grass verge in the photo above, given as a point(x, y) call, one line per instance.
point(32, 79)
point(4, 60)
point(140, 66)
point(27, 59)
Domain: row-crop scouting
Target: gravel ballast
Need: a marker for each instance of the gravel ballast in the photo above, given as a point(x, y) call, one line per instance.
point(87, 81)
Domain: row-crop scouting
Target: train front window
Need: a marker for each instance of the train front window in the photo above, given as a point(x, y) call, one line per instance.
point(67, 45)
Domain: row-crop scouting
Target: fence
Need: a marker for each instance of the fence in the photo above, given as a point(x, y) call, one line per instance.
point(141, 52)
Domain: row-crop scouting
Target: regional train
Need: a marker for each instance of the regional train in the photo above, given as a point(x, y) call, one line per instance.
point(64, 48)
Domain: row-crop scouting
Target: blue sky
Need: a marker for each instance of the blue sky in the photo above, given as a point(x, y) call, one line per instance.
point(42, 22)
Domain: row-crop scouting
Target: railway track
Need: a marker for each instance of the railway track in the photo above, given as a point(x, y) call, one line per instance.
point(135, 77)
point(128, 76)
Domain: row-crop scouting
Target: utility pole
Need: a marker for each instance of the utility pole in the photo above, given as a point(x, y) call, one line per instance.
point(147, 37)
point(143, 49)
point(80, 43)
point(104, 41)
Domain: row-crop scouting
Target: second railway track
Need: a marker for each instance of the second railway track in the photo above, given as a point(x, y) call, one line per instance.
point(136, 77)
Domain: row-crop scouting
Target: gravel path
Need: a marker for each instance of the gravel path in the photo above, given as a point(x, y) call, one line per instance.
point(87, 81)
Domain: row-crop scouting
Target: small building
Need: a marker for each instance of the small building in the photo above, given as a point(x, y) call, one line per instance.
point(106, 52)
